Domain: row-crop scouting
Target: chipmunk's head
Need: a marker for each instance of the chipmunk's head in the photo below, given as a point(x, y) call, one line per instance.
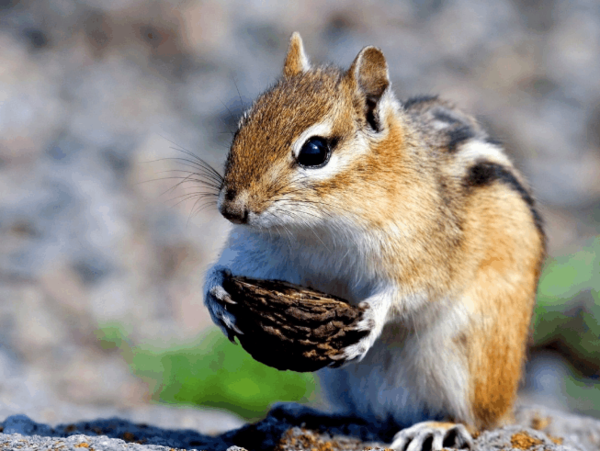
point(303, 151)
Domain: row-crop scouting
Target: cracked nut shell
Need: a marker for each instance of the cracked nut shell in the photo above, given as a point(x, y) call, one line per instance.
point(290, 327)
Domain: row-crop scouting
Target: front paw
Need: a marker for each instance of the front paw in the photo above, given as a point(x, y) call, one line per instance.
point(216, 299)
point(370, 328)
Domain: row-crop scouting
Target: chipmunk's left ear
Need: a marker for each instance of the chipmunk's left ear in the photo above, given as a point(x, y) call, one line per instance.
point(296, 60)
point(369, 78)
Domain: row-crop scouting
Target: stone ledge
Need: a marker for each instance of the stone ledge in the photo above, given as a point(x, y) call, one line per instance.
point(537, 429)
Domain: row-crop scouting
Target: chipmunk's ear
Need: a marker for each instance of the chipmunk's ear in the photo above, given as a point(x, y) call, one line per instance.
point(369, 78)
point(296, 60)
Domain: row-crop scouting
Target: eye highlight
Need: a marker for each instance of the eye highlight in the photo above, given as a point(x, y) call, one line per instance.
point(315, 153)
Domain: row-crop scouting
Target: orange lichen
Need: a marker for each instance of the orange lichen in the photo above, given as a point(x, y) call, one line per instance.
point(297, 440)
point(521, 440)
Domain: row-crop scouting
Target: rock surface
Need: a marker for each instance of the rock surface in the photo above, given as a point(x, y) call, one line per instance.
point(537, 429)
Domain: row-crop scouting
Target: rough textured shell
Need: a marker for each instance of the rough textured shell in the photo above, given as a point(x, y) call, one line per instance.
point(290, 327)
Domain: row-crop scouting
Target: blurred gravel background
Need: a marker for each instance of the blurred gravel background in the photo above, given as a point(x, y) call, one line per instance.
point(96, 94)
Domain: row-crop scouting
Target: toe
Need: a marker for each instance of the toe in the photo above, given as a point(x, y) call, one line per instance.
point(228, 321)
point(399, 443)
point(462, 438)
point(416, 444)
point(403, 438)
point(438, 441)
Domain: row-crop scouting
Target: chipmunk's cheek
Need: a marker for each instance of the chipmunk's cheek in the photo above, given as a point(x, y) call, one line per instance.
point(261, 219)
point(258, 220)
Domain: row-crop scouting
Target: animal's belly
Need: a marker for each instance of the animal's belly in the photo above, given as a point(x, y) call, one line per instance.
point(384, 386)
point(370, 393)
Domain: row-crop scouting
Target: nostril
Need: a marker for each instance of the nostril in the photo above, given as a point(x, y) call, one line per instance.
point(244, 217)
point(230, 194)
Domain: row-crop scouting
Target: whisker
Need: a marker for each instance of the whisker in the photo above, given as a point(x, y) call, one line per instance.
point(295, 217)
point(196, 171)
point(195, 210)
point(196, 160)
point(203, 171)
point(238, 91)
point(188, 197)
point(188, 178)
point(191, 177)
point(186, 151)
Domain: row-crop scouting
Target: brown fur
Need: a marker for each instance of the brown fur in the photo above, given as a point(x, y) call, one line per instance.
point(470, 228)
point(505, 283)
point(296, 61)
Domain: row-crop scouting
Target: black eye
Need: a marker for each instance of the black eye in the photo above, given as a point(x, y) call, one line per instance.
point(314, 153)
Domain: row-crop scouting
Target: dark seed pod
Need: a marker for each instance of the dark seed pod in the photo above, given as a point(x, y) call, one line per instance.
point(290, 327)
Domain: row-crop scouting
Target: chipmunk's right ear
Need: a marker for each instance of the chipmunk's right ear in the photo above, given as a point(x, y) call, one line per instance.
point(296, 60)
point(369, 78)
point(369, 72)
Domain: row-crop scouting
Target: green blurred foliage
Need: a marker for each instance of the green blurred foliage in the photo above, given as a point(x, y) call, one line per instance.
point(567, 318)
point(582, 395)
point(568, 303)
point(210, 372)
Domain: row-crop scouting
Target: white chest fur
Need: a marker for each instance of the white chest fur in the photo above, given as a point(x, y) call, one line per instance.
point(408, 375)
point(414, 371)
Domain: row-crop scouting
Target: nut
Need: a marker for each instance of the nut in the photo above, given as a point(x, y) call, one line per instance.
point(290, 327)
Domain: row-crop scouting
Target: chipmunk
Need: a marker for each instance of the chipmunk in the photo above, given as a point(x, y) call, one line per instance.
point(407, 208)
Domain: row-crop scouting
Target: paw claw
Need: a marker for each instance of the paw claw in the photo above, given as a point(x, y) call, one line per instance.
point(231, 337)
point(217, 299)
point(236, 329)
point(229, 301)
point(336, 357)
point(221, 295)
point(358, 350)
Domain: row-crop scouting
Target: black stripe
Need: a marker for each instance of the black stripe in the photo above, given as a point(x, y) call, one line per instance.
point(459, 135)
point(444, 116)
point(485, 173)
point(418, 99)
